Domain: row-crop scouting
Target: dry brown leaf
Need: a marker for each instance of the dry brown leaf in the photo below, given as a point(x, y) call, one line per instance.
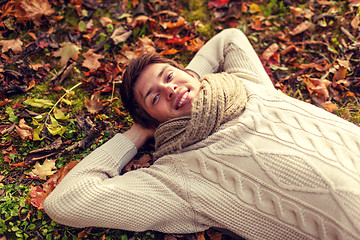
point(302, 27)
point(23, 130)
point(14, 45)
point(35, 9)
point(270, 51)
point(319, 87)
point(92, 60)
point(94, 105)
point(120, 35)
point(355, 22)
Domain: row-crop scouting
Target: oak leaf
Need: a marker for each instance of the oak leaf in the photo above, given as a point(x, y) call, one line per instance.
point(44, 170)
point(35, 9)
point(68, 50)
point(92, 60)
point(14, 45)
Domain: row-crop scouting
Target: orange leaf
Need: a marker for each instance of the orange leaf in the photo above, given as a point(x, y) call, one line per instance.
point(302, 27)
point(169, 51)
point(37, 197)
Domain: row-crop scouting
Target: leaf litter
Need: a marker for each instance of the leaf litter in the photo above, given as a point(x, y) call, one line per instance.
point(50, 47)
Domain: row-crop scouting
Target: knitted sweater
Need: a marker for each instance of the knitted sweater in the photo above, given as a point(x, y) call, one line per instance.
point(283, 169)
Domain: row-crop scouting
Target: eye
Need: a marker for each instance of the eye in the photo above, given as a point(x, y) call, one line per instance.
point(156, 97)
point(169, 77)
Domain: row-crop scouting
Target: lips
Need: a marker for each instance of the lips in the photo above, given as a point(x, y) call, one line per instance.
point(182, 100)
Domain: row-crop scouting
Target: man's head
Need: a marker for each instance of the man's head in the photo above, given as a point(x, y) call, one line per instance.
point(156, 89)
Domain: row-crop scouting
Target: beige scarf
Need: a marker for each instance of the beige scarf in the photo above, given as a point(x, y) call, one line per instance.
point(222, 98)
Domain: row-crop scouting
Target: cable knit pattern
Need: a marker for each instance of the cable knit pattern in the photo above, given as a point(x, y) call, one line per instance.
point(282, 169)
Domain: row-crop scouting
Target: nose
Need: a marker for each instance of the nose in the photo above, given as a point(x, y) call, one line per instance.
point(169, 90)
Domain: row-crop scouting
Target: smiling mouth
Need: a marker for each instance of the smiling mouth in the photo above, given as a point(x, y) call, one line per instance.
point(182, 100)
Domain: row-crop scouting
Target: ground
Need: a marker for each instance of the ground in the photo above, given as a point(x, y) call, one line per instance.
point(61, 64)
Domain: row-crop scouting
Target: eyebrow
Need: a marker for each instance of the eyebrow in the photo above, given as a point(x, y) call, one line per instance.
point(152, 89)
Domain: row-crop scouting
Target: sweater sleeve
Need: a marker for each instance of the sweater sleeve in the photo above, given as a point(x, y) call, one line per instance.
point(95, 194)
point(230, 51)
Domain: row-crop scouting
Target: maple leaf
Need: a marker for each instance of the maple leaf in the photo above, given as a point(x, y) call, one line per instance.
point(14, 45)
point(92, 60)
point(68, 50)
point(35, 9)
point(44, 170)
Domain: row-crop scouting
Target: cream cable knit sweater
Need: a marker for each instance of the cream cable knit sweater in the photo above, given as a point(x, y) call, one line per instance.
point(283, 169)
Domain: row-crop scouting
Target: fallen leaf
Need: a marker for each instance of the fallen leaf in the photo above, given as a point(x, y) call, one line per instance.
point(329, 106)
point(319, 87)
point(43, 170)
point(23, 130)
point(94, 105)
point(302, 27)
point(120, 35)
point(35, 9)
point(68, 50)
point(41, 103)
point(92, 60)
point(270, 51)
point(54, 127)
point(355, 22)
point(37, 197)
point(14, 45)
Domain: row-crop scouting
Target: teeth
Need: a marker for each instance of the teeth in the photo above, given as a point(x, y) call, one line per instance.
point(183, 99)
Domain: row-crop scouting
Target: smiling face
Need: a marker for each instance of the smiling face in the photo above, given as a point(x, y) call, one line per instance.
point(166, 92)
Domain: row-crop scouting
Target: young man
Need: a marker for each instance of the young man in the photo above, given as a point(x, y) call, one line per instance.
point(232, 152)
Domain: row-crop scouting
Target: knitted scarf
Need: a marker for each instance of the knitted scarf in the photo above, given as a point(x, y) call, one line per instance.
point(222, 97)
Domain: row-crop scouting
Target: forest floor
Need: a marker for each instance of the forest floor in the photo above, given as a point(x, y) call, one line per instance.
point(61, 64)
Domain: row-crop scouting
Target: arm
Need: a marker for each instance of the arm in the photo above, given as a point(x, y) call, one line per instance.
point(95, 194)
point(230, 51)
point(139, 134)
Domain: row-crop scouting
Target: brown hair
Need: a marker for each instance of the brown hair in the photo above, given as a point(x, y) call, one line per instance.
point(129, 79)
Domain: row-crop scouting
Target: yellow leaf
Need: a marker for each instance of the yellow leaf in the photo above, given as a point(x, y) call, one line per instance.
point(59, 114)
point(44, 170)
point(254, 8)
point(55, 128)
